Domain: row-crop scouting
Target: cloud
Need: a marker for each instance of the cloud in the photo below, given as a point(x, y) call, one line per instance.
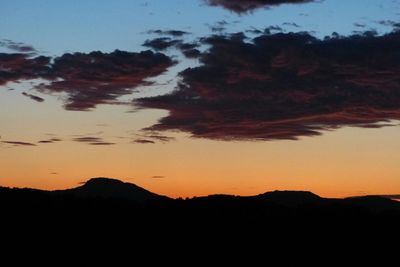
point(269, 29)
point(173, 33)
point(151, 137)
point(390, 23)
point(292, 24)
point(243, 6)
point(191, 53)
point(218, 27)
point(49, 141)
point(360, 25)
point(158, 177)
point(284, 86)
point(17, 46)
point(161, 138)
point(100, 78)
point(101, 144)
point(16, 67)
point(161, 43)
point(33, 97)
point(189, 50)
point(85, 79)
point(143, 141)
point(18, 143)
point(94, 141)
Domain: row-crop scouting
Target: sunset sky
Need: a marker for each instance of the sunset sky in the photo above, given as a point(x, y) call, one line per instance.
point(197, 97)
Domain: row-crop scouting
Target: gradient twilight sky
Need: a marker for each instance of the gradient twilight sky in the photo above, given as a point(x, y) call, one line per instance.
point(55, 134)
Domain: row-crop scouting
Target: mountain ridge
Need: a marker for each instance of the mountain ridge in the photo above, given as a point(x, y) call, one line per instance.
point(111, 188)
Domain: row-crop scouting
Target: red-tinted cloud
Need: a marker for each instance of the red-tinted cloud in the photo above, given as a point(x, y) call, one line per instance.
point(242, 6)
point(282, 86)
point(100, 78)
point(16, 67)
point(86, 79)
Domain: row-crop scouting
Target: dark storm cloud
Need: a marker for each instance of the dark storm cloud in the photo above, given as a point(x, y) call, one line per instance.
point(18, 143)
point(282, 86)
point(16, 67)
point(243, 6)
point(173, 33)
point(17, 46)
point(94, 141)
point(100, 78)
point(33, 97)
point(161, 43)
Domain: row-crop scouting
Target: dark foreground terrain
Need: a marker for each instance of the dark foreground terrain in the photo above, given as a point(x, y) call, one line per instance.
point(109, 213)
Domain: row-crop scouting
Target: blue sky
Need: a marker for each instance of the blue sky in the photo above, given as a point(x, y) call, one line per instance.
point(56, 27)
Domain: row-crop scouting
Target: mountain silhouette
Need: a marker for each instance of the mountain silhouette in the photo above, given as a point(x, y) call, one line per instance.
point(111, 188)
point(374, 202)
point(290, 198)
point(104, 208)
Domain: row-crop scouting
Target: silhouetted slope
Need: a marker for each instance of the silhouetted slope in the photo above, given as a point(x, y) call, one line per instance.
point(111, 188)
point(394, 197)
point(290, 198)
point(375, 203)
point(108, 212)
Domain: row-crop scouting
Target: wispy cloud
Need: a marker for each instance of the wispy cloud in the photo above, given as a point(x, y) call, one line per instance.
point(243, 6)
point(95, 141)
point(33, 97)
point(17, 46)
point(18, 143)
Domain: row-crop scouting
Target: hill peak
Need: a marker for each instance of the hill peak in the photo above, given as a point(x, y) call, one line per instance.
point(112, 188)
point(103, 180)
point(290, 198)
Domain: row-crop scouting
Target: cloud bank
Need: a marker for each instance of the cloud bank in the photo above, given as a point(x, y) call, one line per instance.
point(283, 86)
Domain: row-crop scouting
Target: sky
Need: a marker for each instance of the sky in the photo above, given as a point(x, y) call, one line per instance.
point(198, 97)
